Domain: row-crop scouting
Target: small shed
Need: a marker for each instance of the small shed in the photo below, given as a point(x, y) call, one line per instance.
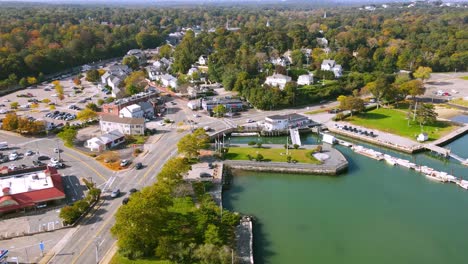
point(422, 137)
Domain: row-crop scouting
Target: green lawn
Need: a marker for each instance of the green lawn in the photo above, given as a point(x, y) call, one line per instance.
point(117, 259)
point(460, 101)
point(272, 154)
point(464, 78)
point(394, 121)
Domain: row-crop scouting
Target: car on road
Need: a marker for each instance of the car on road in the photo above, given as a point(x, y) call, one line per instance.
point(4, 159)
point(54, 160)
point(124, 163)
point(29, 153)
point(173, 103)
point(196, 115)
point(334, 111)
point(13, 156)
point(115, 193)
point(133, 190)
point(38, 163)
point(43, 157)
point(57, 165)
point(446, 94)
point(250, 121)
point(125, 200)
point(138, 166)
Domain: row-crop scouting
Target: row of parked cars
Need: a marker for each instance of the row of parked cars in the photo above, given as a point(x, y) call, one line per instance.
point(61, 116)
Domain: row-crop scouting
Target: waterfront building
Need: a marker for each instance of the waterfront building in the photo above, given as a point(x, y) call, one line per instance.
point(233, 105)
point(284, 122)
point(125, 125)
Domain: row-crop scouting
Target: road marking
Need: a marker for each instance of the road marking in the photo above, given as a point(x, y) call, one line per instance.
point(87, 165)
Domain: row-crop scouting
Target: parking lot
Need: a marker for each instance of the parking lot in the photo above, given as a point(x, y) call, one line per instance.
point(446, 86)
point(75, 99)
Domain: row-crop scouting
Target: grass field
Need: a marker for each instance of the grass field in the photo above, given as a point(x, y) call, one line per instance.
point(394, 121)
point(464, 78)
point(460, 101)
point(117, 259)
point(272, 154)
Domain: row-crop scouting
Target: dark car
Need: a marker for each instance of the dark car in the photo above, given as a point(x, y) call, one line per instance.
point(133, 190)
point(43, 158)
point(205, 175)
point(125, 200)
point(138, 166)
point(37, 163)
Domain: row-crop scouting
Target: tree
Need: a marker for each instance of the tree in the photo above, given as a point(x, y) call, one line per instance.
point(351, 103)
point(68, 135)
point(165, 51)
point(10, 122)
point(69, 214)
point(92, 76)
point(77, 81)
point(191, 144)
point(212, 235)
point(425, 114)
point(413, 88)
point(211, 254)
point(86, 114)
point(32, 80)
point(423, 73)
point(92, 106)
point(59, 90)
point(135, 82)
point(14, 105)
point(23, 82)
point(297, 58)
point(378, 88)
point(219, 110)
point(131, 61)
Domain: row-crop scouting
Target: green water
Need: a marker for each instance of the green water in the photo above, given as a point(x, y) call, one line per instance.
point(375, 213)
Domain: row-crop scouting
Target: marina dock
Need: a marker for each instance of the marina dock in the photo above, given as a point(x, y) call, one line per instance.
point(430, 173)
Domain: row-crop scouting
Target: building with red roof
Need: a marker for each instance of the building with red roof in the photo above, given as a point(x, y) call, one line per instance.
point(27, 190)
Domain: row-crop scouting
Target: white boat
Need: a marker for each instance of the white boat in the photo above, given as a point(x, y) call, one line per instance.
point(390, 160)
point(463, 184)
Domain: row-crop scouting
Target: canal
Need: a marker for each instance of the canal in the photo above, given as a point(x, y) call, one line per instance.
point(374, 213)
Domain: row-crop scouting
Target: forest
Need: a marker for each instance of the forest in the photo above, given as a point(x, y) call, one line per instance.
point(42, 39)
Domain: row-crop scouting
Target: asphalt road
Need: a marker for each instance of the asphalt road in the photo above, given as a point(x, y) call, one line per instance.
point(93, 235)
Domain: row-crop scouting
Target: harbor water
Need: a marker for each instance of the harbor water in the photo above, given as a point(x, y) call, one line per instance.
point(375, 213)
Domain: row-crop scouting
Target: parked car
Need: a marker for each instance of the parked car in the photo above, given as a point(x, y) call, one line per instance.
point(132, 190)
point(37, 163)
point(29, 153)
point(124, 163)
point(56, 150)
point(115, 193)
point(138, 166)
point(205, 175)
point(13, 156)
point(54, 160)
point(12, 167)
point(125, 200)
point(42, 157)
point(250, 121)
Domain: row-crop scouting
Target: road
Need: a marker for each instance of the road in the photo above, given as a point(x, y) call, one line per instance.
point(92, 239)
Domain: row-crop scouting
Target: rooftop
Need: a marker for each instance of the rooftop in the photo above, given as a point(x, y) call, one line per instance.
point(26, 182)
point(135, 97)
point(123, 120)
point(287, 117)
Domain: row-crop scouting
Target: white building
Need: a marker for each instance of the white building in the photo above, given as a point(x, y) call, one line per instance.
point(284, 122)
point(131, 111)
point(125, 125)
point(305, 79)
point(330, 65)
point(191, 71)
point(278, 80)
point(168, 80)
point(154, 72)
point(203, 60)
point(106, 141)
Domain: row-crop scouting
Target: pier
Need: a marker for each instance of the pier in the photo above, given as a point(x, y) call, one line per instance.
point(244, 239)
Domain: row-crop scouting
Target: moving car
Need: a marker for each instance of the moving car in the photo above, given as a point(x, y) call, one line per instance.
point(115, 193)
point(138, 166)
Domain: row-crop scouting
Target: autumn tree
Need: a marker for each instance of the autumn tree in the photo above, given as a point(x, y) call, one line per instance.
point(68, 135)
point(10, 122)
point(86, 114)
point(191, 144)
point(423, 73)
point(131, 61)
point(413, 88)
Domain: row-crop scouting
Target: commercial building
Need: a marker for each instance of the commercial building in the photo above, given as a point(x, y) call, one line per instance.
point(114, 108)
point(28, 190)
point(132, 111)
point(125, 125)
point(234, 105)
point(284, 122)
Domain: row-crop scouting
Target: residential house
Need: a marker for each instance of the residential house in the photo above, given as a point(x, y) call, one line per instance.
point(278, 80)
point(330, 65)
point(284, 122)
point(147, 108)
point(154, 72)
point(199, 91)
point(305, 79)
point(203, 60)
point(280, 61)
point(125, 125)
point(106, 141)
point(168, 80)
point(114, 83)
point(114, 77)
point(191, 71)
point(131, 111)
point(322, 42)
point(139, 54)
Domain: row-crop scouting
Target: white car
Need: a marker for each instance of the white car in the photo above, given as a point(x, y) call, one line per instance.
point(54, 95)
point(196, 115)
point(250, 121)
point(12, 167)
point(13, 156)
point(54, 160)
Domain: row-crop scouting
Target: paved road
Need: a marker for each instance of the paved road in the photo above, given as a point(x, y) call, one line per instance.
point(93, 234)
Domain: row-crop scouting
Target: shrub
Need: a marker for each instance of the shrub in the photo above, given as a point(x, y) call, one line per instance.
point(259, 157)
point(318, 148)
point(296, 146)
point(252, 143)
point(249, 157)
point(259, 145)
point(289, 158)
